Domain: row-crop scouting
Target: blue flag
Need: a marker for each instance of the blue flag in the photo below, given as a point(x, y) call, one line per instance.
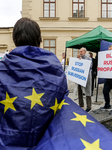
point(74, 129)
point(35, 112)
point(31, 80)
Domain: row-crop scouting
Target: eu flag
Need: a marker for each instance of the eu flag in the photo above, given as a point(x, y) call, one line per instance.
point(74, 129)
point(31, 80)
point(35, 112)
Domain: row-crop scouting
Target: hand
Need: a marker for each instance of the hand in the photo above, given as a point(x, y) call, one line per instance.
point(10, 50)
point(78, 56)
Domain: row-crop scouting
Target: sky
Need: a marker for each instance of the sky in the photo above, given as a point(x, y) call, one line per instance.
point(10, 12)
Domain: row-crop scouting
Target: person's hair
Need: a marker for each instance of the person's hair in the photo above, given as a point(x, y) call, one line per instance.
point(26, 32)
point(84, 48)
point(63, 53)
point(109, 46)
point(91, 54)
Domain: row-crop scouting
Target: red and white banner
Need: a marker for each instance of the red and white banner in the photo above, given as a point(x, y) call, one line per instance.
point(105, 64)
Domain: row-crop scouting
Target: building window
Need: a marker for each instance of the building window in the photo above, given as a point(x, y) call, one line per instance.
point(106, 8)
point(50, 45)
point(49, 8)
point(78, 9)
point(74, 52)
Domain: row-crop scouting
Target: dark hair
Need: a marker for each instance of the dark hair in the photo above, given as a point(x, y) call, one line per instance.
point(110, 46)
point(91, 54)
point(26, 32)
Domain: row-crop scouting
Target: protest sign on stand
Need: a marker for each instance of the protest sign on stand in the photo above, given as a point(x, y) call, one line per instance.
point(105, 64)
point(78, 70)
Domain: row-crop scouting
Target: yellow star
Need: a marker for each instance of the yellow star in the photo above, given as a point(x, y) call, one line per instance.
point(94, 146)
point(35, 98)
point(62, 103)
point(8, 102)
point(55, 107)
point(82, 118)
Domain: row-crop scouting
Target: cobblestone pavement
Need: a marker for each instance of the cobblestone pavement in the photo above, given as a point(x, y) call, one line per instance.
point(96, 112)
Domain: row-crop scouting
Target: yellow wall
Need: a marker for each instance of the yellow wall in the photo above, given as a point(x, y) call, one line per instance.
point(6, 42)
point(64, 27)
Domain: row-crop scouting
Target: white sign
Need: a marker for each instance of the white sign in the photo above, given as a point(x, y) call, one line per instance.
point(105, 64)
point(78, 70)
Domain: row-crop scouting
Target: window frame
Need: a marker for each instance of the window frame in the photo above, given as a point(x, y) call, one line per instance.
point(75, 49)
point(78, 8)
point(106, 8)
point(49, 45)
point(49, 8)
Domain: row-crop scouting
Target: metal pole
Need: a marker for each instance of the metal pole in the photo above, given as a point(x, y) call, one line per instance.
point(97, 77)
point(97, 91)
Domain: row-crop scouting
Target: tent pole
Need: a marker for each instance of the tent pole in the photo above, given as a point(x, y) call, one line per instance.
point(65, 58)
point(97, 74)
point(97, 91)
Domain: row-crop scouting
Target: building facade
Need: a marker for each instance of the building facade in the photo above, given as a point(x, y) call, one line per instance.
point(63, 20)
point(6, 42)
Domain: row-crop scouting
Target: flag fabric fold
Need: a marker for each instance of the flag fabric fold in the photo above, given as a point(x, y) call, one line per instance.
point(74, 129)
point(31, 79)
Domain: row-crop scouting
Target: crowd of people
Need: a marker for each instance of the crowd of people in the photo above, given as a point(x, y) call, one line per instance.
point(91, 82)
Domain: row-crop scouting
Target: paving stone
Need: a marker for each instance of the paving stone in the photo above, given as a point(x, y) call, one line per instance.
point(96, 112)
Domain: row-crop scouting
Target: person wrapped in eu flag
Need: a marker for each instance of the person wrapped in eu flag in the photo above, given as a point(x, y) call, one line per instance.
point(31, 82)
point(35, 112)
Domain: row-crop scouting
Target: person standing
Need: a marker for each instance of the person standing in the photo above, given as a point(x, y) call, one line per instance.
point(94, 70)
point(106, 90)
point(82, 55)
point(63, 60)
point(32, 82)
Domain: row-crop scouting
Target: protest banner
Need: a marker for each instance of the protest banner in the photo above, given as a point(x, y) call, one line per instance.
point(105, 64)
point(78, 70)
